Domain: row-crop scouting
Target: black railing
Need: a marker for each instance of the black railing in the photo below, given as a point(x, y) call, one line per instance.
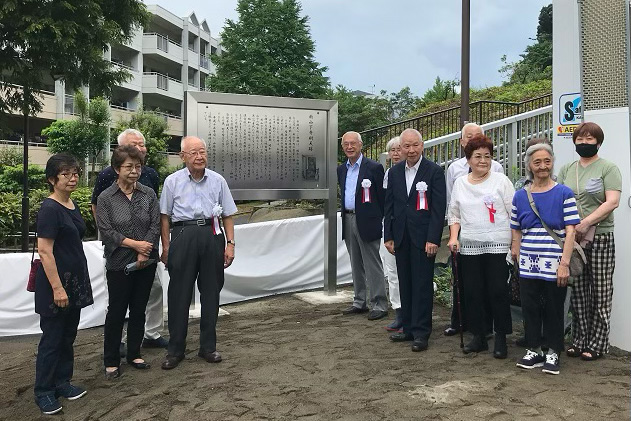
point(440, 123)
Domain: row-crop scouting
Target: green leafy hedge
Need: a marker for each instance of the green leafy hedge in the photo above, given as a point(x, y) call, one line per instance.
point(11, 212)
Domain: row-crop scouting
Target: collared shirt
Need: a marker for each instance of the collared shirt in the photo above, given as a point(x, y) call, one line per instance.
point(148, 176)
point(460, 167)
point(410, 173)
point(185, 199)
point(352, 173)
point(119, 217)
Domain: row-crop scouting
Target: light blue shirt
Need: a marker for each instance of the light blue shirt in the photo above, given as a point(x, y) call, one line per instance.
point(185, 199)
point(352, 173)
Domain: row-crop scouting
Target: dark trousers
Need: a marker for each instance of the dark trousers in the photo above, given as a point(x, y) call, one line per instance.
point(55, 355)
point(195, 254)
point(455, 317)
point(486, 280)
point(416, 274)
point(548, 312)
point(126, 291)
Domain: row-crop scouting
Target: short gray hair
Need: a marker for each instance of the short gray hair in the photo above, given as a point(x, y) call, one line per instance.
point(531, 150)
point(416, 132)
point(357, 135)
point(392, 143)
point(185, 138)
point(127, 132)
point(471, 126)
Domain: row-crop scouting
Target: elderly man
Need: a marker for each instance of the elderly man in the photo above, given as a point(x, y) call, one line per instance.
point(456, 170)
point(413, 225)
point(361, 187)
point(149, 177)
point(195, 199)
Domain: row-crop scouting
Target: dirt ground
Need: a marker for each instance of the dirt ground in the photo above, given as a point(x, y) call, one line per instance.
point(285, 359)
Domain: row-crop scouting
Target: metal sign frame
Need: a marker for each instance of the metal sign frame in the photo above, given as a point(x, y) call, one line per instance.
point(328, 193)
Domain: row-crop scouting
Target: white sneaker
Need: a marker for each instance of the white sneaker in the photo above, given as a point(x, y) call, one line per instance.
point(551, 366)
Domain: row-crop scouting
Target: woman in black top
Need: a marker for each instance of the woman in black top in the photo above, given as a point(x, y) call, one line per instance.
point(128, 217)
point(62, 285)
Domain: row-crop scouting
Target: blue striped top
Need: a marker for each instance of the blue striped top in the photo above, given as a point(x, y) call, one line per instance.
point(539, 254)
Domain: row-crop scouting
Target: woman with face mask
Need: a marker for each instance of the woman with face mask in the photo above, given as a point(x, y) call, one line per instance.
point(597, 184)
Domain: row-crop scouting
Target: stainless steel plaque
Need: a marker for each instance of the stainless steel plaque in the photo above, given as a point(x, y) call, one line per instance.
point(265, 147)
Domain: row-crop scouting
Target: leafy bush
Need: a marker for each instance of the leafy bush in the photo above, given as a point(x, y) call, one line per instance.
point(10, 157)
point(442, 277)
point(11, 211)
point(11, 178)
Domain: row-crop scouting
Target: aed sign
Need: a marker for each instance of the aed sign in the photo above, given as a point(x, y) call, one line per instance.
point(570, 109)
point(567, 130)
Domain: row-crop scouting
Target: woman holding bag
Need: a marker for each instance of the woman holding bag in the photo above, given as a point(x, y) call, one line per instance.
point(543, 264)
point(597, 184)
point(62, 285)
point(128, 218)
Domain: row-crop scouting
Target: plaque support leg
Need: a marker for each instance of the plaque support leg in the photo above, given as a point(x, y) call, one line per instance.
point(330, 244)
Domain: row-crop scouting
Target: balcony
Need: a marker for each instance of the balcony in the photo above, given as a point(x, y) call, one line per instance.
point(49, 104)
point(204, 62)
point(153, 43)
point(134, 83)
point(157, 83)
point(120, 113)
point(176, 125)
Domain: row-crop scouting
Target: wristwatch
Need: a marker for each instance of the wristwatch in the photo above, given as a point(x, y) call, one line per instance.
point(230, 242)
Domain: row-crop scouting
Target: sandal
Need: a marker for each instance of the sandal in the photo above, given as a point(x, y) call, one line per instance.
point(589, 355)
point(574, 351)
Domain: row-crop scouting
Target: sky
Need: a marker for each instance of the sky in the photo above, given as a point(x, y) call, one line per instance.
point(374, 45)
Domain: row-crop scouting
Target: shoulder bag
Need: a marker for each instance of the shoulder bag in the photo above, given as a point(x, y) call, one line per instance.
point(35, 264)
point(578, 259)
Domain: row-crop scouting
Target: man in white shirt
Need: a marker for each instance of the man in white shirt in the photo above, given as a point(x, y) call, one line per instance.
point(456, 170)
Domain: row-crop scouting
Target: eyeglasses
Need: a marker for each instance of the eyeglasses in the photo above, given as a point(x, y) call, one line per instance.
point(130, 167)
point(201, 152)
point(69, 175)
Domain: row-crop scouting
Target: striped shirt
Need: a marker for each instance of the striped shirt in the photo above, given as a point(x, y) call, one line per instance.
point(539, 254)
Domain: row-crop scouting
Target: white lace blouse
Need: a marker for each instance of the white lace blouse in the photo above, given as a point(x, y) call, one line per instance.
point(483, 212)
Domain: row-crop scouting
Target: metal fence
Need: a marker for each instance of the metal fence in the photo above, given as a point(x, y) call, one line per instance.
point(509, 136)
point(447, 121)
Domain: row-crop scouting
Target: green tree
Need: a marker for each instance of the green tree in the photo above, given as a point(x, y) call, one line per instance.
point(63, 39)
point(400, 104)
point(85, 137)
point(153, 127)
point(536, 61)
point(441, 91)
point(268, 51)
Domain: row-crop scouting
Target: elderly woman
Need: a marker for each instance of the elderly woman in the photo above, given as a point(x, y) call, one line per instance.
point(389, 261)
point(62, 284)
point(480, 211)
point(128, 218)
point(543, 264)
point(597, 184)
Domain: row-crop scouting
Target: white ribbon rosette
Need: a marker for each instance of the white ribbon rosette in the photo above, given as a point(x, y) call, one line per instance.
point(421, 200)
point(366, 183)
point(217, 211)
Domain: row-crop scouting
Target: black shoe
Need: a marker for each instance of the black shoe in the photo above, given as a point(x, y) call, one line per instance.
point(419, 345)
point(451, 331)
point(122, 350)
point(211, 357)
point(401, 337)
point(160, 342)
point(111, 375)
point(500, 350)
point(140, 366)
point(477, 344)
point(354, 310)
point(171, 361)
point(377, 314)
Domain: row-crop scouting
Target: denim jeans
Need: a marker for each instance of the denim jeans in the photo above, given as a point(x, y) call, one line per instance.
point(55, 355)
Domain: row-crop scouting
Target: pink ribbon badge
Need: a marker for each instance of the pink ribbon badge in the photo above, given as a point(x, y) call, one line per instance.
point(488, 202)
point(217, 211)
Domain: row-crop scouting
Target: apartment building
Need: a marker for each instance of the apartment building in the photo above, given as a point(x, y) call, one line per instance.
point(167, 58)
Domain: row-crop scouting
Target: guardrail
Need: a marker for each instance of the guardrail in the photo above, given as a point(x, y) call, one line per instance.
point(447, 121)
point(509, 136)
point(162, 81)
point(163, 41)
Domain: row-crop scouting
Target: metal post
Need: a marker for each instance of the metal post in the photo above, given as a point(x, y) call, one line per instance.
point(330, 208)
point(25, 213)
point(464, 63)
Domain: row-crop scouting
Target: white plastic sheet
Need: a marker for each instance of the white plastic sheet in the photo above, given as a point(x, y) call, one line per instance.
point(271, 258)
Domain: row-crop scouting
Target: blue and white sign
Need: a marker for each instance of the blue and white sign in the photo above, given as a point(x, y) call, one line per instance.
point(570, 109)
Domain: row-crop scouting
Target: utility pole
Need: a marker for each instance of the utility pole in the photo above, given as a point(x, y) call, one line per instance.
point(464, 62)
point(25, 212)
